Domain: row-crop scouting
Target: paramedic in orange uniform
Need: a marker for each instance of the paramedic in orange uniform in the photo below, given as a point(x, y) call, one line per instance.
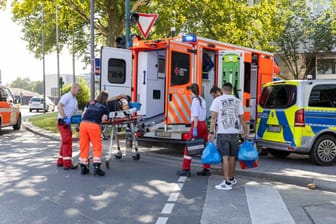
point(90, 131)
point(198, 130)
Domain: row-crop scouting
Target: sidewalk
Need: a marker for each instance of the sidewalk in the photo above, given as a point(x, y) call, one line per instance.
point(295, 169)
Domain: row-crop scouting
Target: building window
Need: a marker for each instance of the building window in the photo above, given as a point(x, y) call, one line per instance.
point(326, 66)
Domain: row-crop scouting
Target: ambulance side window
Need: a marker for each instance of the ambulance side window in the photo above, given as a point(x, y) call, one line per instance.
point(116, 71)
point(180, 68)
point(323, 96)
point(2, 95)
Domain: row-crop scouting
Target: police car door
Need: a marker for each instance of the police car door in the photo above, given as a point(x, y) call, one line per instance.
point(116, 71)
point(180, 74)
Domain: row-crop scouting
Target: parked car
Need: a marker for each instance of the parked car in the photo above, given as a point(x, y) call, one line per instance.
point(298, 116)
point(10, 114)
point(36, 103)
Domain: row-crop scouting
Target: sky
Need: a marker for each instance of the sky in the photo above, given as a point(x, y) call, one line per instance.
point(16, 61)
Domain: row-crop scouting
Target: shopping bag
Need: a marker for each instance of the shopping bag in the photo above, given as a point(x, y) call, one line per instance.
point(195, 146)
point(210, 154)
point(248, 155)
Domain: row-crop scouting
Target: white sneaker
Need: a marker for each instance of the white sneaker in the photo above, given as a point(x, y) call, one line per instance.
point(234, 181)
point(224, 186)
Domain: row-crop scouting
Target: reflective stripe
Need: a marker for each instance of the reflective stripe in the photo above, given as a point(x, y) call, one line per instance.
point(67, 158)
point(187, 157)
point(96, 159)
point(83, 160)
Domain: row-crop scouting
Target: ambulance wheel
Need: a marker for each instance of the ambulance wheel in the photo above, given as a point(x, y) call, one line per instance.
point(278, 153)
point(118, 155)
point(323, 152)
point(107, 164)
point(136, 156)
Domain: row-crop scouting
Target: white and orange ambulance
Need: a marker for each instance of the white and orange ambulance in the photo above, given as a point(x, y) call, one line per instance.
point(10, 114)
point(156, 73)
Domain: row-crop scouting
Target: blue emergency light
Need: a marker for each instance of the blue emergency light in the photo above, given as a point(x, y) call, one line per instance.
point(189, 38)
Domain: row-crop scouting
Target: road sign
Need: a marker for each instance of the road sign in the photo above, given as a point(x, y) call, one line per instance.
point(97, 66)
point(146, 22)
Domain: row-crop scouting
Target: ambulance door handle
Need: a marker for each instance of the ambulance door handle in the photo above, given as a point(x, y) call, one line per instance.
point(170, 97)
point(144, 78)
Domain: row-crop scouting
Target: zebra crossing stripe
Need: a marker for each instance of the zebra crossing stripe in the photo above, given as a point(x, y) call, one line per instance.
point(266, 205)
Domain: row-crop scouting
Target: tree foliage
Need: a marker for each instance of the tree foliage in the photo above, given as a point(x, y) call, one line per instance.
point(27, 84)
point(308, 34)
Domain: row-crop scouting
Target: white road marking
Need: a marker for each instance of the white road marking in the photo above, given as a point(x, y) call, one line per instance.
point(173, 196)
point(168, 208)
point(182, 179)
point(162, 220)
point(266, 205)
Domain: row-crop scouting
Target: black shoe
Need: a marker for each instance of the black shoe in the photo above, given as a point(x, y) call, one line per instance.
point(84, 169)
point(183, 173)
point(204, 172)
point(73, 167)
point(97, 170)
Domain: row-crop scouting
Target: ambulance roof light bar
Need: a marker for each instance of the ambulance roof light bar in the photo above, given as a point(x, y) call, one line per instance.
point(189, 38)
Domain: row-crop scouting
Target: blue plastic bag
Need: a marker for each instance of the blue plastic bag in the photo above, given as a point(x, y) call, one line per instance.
point(247, 152)
point(210, 154)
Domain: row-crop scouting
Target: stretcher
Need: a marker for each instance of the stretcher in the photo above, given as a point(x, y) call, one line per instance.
point(122, 120)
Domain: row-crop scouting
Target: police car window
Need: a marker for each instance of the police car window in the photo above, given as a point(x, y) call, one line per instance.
point(116, 71)
point(180, 70)
point(323, 96)
point(278, 96)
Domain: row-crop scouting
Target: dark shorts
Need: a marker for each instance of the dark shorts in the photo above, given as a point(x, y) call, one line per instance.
point(228, 144)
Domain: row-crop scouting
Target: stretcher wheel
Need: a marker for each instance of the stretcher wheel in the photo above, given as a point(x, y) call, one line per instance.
point(107, 164)
point(136, 156)
point(118, 155)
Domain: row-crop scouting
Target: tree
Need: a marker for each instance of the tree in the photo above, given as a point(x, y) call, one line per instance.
point(307, 36)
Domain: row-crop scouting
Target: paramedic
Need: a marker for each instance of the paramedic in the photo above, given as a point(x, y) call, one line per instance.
point(67, 106)
point(227, 111)
point(198, 130)
point(94, 113)
point(215, 91)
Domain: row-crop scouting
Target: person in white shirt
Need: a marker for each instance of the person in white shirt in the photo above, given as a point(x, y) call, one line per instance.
point(198, 129)
point(67, 106)
point(227, 111)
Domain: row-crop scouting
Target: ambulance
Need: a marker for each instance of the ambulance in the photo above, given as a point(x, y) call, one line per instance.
point(10, 114)
point(156, 74)
point(298, 116)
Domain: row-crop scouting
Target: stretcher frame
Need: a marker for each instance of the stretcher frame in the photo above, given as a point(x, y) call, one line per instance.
point(118, 119)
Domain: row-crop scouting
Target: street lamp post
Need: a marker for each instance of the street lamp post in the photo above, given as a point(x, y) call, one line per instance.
point(92, 58)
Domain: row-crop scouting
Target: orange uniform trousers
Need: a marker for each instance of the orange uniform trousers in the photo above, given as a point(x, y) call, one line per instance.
point(90, 132)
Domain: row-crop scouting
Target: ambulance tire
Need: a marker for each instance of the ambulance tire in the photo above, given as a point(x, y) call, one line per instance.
point(17, 126)
point(278, 153)
point(323, 152)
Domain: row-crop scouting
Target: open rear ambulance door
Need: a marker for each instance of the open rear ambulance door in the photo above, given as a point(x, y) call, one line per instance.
point(116, 71)
point(180, 74)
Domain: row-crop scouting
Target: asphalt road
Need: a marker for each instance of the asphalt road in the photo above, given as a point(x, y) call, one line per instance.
point(34, 190)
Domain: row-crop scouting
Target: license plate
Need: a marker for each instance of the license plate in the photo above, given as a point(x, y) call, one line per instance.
point(162, 134)
point(273, 128)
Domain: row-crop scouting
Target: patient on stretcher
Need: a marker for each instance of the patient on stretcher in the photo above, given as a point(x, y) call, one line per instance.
point(118, 103)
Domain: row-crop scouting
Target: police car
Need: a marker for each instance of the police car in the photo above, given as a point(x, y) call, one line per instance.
point(10, 114)
point(298, 116)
